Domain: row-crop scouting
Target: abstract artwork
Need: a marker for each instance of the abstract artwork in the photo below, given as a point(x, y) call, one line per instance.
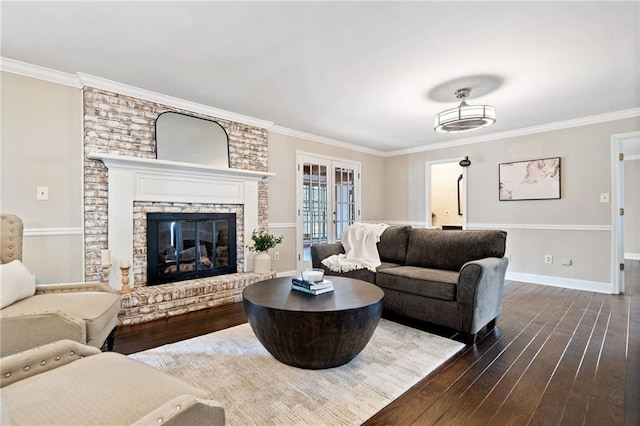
point(530, 180)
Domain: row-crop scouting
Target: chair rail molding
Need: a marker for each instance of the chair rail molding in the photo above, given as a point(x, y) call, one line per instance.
point(52, 232)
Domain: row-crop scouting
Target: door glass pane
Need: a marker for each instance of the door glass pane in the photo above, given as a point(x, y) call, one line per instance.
point(314, 207)
point(345, 206)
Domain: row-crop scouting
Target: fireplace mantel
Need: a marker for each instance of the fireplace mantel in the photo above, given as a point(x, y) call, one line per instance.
point(142, 179)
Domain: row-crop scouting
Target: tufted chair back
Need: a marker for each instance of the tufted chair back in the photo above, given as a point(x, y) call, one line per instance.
point(11, 229)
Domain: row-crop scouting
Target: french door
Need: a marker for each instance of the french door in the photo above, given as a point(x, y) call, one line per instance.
point(328, 200)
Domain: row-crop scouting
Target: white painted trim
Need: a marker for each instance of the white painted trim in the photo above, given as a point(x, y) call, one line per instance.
point(560, 125)
point(536, 226)
point(153, 165)
point(148, 95)
point(632, 256)
point(404, 223)
point(139, 179)
point(595, 286)
point(41, 73)
point(52, 232)
point(631, 157)
point(324, 140)
point(282, 225)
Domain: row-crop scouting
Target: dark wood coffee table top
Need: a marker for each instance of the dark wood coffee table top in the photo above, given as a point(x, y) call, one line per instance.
point(349, 293)
point(315, 332)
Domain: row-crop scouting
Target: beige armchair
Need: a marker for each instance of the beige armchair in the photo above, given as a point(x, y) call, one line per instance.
point(33, 315)
point(66, 383)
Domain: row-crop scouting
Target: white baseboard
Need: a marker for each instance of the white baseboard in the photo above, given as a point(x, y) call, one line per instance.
point(632, 256)
point(595, 286)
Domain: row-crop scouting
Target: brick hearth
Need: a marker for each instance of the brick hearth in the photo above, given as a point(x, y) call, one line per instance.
point(149, 303)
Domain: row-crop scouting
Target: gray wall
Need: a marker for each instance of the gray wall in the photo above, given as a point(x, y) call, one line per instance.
point(577, 226)
point(42, 146)
point(282, 189)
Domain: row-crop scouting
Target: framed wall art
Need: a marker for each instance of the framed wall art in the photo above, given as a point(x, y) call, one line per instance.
point(530, 180)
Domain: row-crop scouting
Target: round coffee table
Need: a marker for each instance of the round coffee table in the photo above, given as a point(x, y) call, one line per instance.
point(313, 332)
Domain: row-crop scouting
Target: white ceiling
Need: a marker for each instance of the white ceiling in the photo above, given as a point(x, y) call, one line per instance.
point(370, 74)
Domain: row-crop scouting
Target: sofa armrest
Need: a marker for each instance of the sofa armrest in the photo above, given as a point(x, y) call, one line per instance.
point(25, 330)
point(39, 359)
point(480, 288)
point(74, 287)
point(322, 251)
point(185, 410)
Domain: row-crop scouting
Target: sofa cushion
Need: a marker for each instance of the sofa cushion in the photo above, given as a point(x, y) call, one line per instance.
point(436, 249)
point(432, 283)
point(17, 283)
point(97, 309)
point(360, 274)
point(113, 390)
point(393, 244)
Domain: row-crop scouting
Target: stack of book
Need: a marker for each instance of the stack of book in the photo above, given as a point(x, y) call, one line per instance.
point(314, 288)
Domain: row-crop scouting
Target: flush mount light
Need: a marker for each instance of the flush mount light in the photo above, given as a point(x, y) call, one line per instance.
point(465, 117)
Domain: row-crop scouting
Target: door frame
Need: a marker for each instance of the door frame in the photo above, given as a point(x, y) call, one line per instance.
point(617, 203)
point(463, 194)
point(300, 156)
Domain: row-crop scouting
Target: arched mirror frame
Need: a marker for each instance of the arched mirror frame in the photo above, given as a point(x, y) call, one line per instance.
point(191, 142)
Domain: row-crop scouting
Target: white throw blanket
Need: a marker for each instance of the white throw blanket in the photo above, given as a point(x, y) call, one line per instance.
point(359, 241)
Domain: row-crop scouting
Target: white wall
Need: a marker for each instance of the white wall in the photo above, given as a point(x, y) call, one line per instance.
point(41, 145)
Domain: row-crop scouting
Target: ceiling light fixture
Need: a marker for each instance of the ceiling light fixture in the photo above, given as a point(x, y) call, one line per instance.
point(465, 117)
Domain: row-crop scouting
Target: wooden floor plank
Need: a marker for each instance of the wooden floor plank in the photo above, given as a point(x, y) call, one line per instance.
point(550, 407)
point(557, 356)
point(497, 402)
point(576, 407)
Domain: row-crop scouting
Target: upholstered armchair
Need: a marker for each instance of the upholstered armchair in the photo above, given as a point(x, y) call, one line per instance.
point(32, 315)
point(66, 383)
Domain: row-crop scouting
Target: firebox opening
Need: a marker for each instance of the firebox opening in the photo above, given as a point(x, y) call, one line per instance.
point(183, 246)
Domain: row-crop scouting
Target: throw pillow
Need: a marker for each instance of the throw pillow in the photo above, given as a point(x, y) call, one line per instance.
point(16, 283)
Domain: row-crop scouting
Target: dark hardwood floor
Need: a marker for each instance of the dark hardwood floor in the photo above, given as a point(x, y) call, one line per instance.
point(556, 357)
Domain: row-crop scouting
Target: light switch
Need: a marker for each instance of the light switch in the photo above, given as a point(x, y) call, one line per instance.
point(42, 192)
point(604, 197)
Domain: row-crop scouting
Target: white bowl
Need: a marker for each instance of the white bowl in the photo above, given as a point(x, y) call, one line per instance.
point(314, 275)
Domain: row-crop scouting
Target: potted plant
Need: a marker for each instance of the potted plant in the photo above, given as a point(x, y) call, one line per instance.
point(262, 242)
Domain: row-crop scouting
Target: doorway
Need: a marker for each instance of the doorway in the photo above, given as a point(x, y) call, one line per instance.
point(446, 194)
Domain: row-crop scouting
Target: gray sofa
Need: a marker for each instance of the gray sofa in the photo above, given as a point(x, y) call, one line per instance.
point(450, 278)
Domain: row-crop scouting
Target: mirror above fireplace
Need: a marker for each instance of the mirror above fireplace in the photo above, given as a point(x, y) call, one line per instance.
point(188, 139)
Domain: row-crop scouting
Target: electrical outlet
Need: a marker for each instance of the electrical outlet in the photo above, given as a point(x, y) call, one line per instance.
point(42, 192)
point(276, 255)
point(548, 258)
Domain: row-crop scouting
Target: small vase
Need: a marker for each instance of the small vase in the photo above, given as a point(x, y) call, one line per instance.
point(262, 263)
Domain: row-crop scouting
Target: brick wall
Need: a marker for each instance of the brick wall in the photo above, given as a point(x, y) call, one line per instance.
point(119, 124)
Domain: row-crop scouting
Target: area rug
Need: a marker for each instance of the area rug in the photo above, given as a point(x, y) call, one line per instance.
point(256, 389)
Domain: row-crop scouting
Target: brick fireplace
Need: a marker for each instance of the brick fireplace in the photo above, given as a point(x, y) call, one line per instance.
point(123, 181)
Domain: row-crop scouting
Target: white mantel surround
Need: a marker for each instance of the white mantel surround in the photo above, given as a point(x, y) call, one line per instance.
point(143, 179)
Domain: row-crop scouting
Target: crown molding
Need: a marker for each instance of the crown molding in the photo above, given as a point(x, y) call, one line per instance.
point(148, 95)
point(41, 73)
point(80, 80)
point(327, 141)
point(560, 125)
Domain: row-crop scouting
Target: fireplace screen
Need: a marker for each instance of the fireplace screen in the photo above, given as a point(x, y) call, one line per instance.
point(182, 246)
